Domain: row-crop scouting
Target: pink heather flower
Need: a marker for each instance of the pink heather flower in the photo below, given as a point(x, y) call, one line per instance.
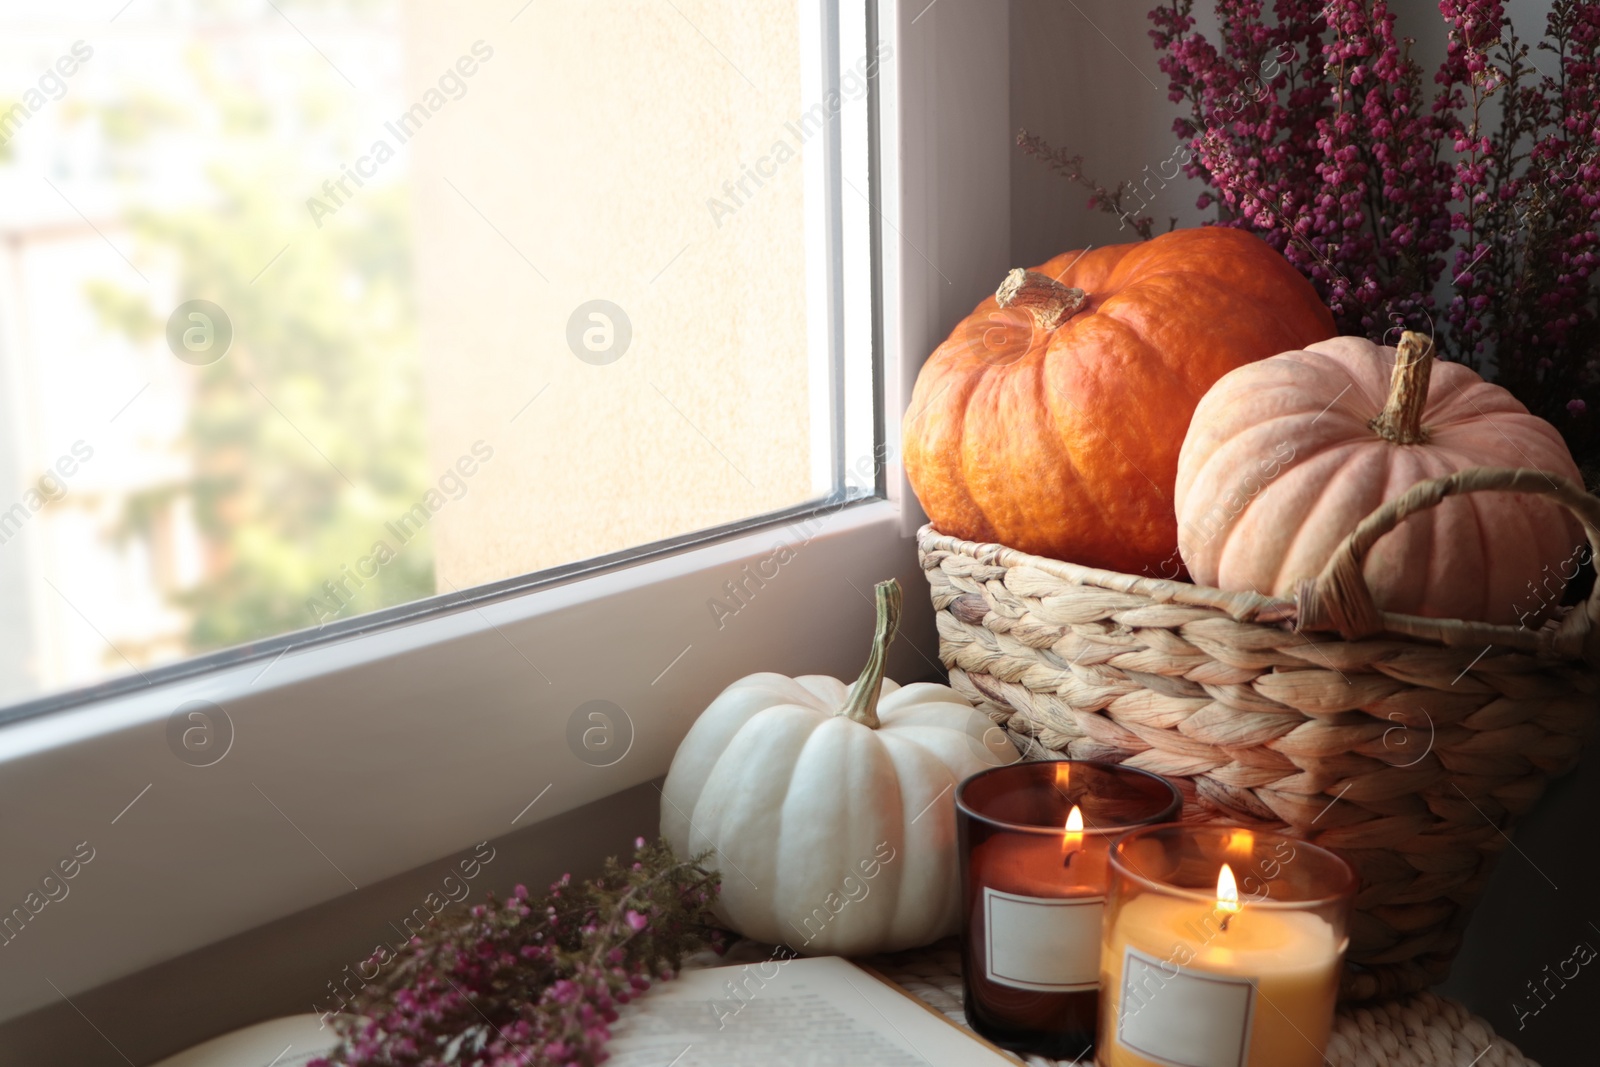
point(520, 983)
point(1469, 209)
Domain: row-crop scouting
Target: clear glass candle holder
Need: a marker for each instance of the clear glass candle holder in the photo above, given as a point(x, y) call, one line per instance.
point(1034, 878)
point(1223, 948)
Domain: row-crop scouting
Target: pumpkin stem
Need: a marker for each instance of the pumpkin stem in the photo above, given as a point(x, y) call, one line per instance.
point(862, 704)
point(1050, 302)
point(1401, 418)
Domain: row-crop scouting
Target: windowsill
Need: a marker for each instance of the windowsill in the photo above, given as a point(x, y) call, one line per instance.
point(283, 967)
point(359, 760)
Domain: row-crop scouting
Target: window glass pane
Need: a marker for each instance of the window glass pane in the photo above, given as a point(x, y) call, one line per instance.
point(310, 308)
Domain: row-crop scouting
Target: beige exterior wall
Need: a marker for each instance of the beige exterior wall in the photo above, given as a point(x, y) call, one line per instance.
point(592, 141)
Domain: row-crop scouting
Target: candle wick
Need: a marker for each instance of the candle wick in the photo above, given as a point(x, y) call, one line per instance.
point(1225, 919)
point(1067, 860)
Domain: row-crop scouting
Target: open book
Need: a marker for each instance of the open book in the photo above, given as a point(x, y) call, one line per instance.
point(292, 1041)
point(817, 1012)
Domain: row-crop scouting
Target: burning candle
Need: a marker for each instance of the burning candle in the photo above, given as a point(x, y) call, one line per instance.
point(1196, 973)
point(1034, 839)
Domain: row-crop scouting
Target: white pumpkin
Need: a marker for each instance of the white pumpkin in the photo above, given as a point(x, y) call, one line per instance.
point(830, 809)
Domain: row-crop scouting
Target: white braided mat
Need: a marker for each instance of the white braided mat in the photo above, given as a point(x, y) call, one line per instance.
point(1422, 1030)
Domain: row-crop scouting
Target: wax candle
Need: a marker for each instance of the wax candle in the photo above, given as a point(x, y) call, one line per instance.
point(1216, 978)
point(1034, 839)
point(1042, 908)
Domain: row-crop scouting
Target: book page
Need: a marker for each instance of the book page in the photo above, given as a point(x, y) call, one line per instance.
point(778, 1013)
point(789, 1013)
point(292, 1041)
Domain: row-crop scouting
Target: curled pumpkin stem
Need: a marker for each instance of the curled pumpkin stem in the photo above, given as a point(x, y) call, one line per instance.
point(1050, 302)
point(862, 704)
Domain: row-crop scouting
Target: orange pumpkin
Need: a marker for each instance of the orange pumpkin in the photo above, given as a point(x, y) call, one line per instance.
point(1285, 457)
point(1051, 418)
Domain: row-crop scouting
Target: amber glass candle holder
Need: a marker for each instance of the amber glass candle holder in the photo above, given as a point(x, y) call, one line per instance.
point(1034, 892)
point(1223, 948)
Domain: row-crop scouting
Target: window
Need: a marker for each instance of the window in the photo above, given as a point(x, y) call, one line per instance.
point(412, 732)
point(313, 310)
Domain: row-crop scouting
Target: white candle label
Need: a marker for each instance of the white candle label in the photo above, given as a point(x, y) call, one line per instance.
point(1048, 943)
point(1183, 1018)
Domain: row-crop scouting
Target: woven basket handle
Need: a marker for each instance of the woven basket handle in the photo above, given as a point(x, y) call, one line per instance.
point(1339, 599)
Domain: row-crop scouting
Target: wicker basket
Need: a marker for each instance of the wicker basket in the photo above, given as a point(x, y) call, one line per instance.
point(1408, 745)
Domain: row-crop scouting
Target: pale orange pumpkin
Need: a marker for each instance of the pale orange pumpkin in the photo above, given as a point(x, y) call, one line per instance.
point(1051, 418)
point(1286, 456)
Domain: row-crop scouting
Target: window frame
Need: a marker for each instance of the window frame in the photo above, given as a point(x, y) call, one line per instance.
point(408, 737)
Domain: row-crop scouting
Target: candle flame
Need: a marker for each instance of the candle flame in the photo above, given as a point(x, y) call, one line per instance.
point(1240, 842)
point(1072, 838)
point(1063, 773)
point(1227, 891)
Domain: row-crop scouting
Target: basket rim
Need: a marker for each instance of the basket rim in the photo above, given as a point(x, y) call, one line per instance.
point(1249, 607)
point(1246, 606)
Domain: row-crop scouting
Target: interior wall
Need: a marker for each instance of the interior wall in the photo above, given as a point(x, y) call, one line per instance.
point(1084, 76)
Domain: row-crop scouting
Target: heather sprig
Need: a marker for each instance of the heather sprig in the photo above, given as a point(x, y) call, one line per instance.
point(1337, 164)
point(1110, 201)
point(1469, 210)
point(534, 982)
